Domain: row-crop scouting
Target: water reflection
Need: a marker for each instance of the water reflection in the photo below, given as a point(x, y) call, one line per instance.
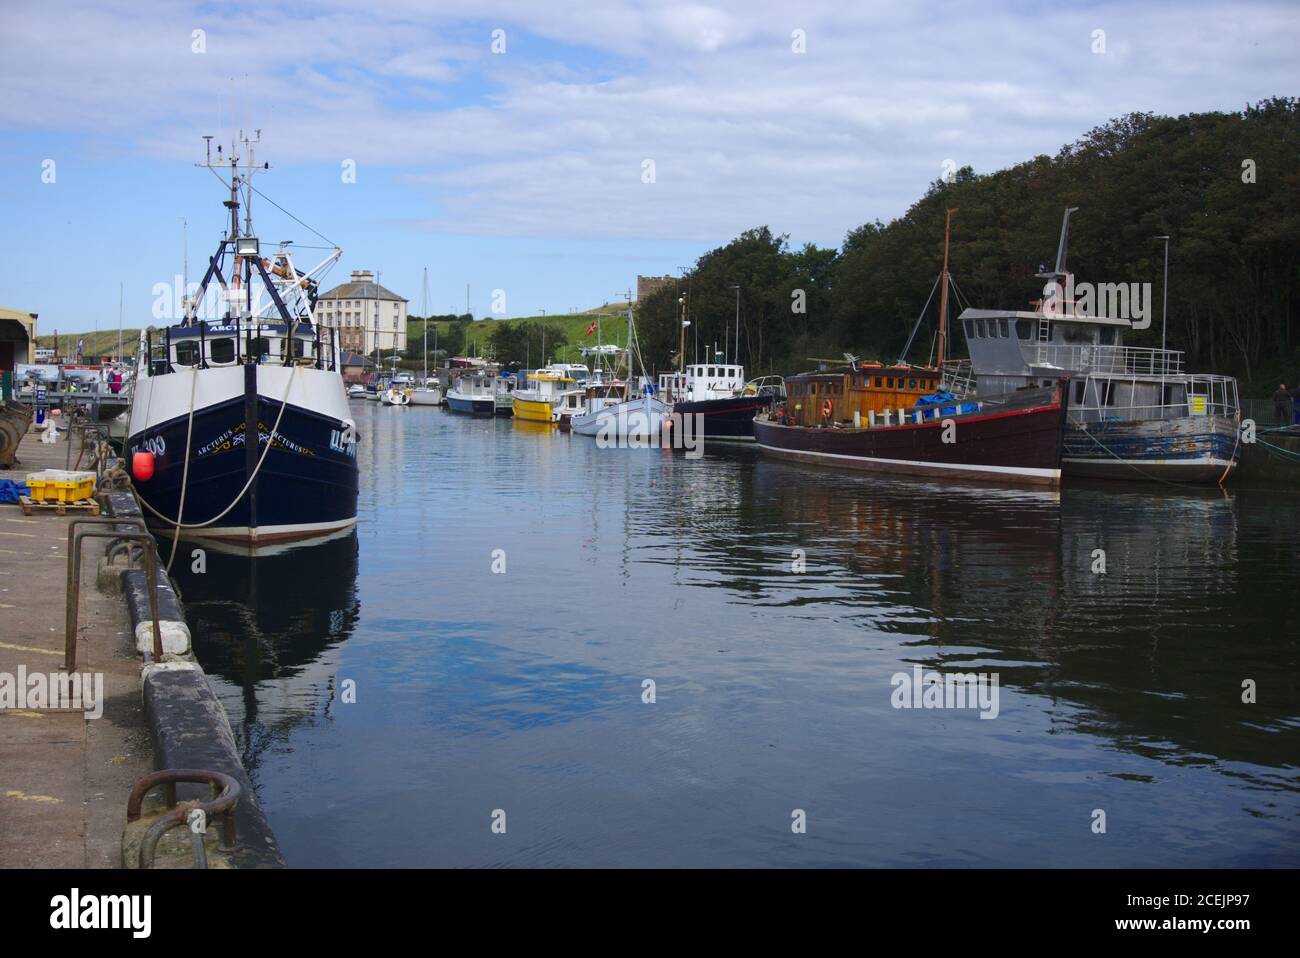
point(270, 626)
point(524, 689)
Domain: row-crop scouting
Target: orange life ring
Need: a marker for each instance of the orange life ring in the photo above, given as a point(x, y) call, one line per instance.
point(828, 407)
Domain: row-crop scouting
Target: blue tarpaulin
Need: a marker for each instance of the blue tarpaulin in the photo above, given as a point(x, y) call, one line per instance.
point(946, 402)
point(11, 490)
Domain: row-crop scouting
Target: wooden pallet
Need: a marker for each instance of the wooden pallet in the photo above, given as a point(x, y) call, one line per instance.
point(59, 508)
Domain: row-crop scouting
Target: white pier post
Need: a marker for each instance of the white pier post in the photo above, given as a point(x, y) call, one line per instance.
point(857, 419)
point(871, 418)
point(889, 414)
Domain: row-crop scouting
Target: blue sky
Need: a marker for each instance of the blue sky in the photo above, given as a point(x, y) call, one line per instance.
point(524, 170)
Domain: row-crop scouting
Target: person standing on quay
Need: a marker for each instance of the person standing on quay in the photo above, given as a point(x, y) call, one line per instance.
point(1281, 402)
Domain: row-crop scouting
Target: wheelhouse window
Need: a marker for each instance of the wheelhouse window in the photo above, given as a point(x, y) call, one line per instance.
point(970, 329)
point(1024, 329)
point(221, 351)
point(1108, 336)
point(187, 352)
point(259, 348)
point(1002, 329)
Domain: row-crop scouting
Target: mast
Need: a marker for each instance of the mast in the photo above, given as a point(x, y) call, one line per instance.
point(943, 293)
point(628, 347)
point(424, 309)
point(681, 339)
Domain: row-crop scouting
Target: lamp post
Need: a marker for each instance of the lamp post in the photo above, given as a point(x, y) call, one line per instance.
point(1164, 301)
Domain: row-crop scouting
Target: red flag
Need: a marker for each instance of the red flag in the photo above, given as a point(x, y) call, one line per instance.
point(591, 329)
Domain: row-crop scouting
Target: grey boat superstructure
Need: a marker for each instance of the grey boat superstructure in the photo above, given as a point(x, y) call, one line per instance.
point(1135, 412)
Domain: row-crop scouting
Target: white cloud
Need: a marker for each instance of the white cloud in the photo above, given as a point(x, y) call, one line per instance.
point(742, 130)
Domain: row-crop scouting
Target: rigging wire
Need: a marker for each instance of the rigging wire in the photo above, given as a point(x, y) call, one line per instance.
point(332, 245)
point(917, 324)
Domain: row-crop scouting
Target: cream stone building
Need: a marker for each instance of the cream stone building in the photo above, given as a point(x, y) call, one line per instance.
point(365, 314)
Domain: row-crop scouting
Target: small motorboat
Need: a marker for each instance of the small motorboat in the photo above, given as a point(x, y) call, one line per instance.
point(395, 395)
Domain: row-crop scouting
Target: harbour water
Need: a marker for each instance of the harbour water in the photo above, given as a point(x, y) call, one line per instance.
point(523, 691)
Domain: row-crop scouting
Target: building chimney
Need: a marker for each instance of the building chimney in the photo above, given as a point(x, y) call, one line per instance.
point(362, 276)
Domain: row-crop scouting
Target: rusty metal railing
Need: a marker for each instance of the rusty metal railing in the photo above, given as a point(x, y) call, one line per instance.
point(225, 796)
point(73, 595)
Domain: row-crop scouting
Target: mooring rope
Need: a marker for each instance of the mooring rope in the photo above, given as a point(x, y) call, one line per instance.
point(185, 473)
point(270, 441)
point(1170, 482)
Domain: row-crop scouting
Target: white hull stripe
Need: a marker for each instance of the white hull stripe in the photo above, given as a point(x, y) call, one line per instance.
point(263, 532)
point(962, 467)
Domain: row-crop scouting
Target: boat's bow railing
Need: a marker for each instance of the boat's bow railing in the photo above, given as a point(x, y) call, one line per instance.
point(1107, 396)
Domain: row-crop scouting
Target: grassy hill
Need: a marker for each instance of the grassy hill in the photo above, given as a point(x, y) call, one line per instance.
point(612, 316)
point(102, 343)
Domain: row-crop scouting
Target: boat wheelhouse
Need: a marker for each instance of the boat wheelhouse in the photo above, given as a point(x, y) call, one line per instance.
point(718, 394)
point(859, 393)
point(503, 400)
point(550, 395)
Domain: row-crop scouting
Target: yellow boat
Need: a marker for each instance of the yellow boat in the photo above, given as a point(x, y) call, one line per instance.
point(545, 400)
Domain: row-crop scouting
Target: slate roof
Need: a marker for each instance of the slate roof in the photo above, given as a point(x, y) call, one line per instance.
point(362, 291)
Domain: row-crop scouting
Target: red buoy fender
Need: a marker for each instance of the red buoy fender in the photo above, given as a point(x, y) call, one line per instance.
point(142, 466)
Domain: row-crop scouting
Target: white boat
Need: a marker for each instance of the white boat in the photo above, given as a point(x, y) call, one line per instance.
point(473, 393)
point(621, 413)
point(613, 418)
point(395, 395)
point(356, 391)
point(430, 394)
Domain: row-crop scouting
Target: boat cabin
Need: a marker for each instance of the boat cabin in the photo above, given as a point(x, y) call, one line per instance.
point(701, 381)
point(206, 345)
point(546, 384)
point(835, 396)
point(475, 385)
point(1012, 350)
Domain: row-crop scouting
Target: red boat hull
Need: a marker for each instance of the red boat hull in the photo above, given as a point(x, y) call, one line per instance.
point(1020, 445)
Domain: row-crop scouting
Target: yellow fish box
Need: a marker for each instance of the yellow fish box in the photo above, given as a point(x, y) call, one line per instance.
point(60, 485)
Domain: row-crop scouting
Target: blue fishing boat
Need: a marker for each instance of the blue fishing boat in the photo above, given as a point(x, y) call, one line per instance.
point(240, 429)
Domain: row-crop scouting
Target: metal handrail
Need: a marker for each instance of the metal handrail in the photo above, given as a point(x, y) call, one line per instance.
point(1139, 360)
point(226, 792)
point(73, 594)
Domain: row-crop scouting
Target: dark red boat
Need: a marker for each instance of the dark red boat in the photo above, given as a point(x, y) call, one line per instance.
point(1012, 439)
